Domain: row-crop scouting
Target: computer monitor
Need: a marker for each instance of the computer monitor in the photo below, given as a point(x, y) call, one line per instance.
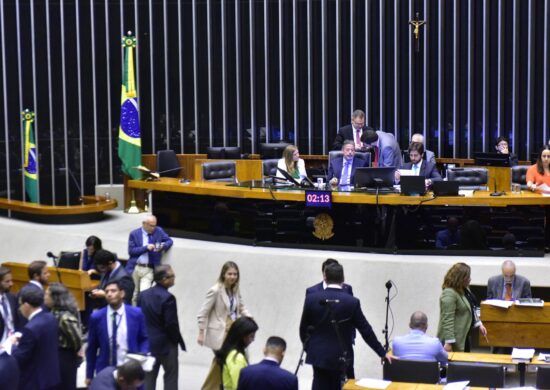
point(492, 159)
point(366, 177)
point(272, 150)
point(69, 260)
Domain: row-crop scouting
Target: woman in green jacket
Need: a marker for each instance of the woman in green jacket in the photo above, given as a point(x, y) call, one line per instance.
point(457, 312)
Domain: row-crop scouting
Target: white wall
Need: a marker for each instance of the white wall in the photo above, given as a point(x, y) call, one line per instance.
point(273, 280)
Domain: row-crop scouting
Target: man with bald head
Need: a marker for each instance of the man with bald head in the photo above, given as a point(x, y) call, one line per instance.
point(145, 247)
point(417, 345)
point(428, 154)
point(508, 286)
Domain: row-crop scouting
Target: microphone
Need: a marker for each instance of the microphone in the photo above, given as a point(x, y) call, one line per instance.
point(495, 192)
point(55, 260)
point(389, 284)
point(51, 255)
point(325, 302)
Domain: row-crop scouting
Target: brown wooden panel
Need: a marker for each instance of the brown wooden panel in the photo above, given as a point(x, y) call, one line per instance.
point(502, 176)
point(249, 170)
point(89, 207)
point(516, 334)
point(516, 314)
point(495, 358)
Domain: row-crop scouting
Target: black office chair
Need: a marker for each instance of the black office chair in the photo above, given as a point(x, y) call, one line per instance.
point(270, 166)
point(543, 377)
point(223, 152)
point(415, 371)
point(519, 175)
point(469, 178)
point(167, 163)
point(272, 150)
point(479, 374)
point(219, 171)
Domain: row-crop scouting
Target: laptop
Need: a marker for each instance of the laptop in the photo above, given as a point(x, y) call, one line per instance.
point(492, 159)
point(445, 188)
point(413, 185)
point(305, 182)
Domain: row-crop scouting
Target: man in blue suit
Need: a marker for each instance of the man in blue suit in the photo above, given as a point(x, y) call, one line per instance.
point(9, 315)
point(115, 331)
point(419, 166)
point(342, 170)
point(387, 152)
point(161, 317)
point(268, 375)
point(326, 352)
point(9, 371)
point(36, 351)
point(145, 247)
point(111, 271)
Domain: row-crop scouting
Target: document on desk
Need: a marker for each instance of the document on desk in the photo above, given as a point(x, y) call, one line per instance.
point(466, 192)
point(531, 302)
point(372, 383)
point(456, 385)
point(406, 172)
point(544, 357)
point(544, 189)
point(522, 355)
point(498, 303)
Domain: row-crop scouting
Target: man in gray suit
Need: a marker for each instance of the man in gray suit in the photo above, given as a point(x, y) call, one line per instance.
point(428, 154)
point(508, 286)
point(386, 151)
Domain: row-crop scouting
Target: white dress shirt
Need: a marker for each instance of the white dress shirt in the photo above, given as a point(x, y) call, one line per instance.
point(144, 258)
point(8, 318)
point(122, 333)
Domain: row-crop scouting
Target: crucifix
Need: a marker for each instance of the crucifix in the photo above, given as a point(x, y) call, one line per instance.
point(417, 23)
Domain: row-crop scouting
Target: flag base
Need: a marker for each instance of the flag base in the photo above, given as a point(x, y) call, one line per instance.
point(133, 209)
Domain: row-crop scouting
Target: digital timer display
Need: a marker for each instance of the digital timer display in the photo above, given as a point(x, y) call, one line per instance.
point(319, 199)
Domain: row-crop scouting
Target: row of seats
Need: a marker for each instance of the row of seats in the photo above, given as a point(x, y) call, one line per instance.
point(479, 374)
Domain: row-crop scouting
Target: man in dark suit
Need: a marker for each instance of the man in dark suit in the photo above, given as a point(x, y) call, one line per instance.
point(9, 315)
point(111, 271)
point(268, 375)
point(36, 351)
point(326, 352)
point(128, 376)
point(418, 165)
point(9, 371)
point(387, 152)
point(161, 317)
point(38, 275)
point(115, 331)
point(145, 247)
point(508, 285)
point(351, 132)
point(342, 170)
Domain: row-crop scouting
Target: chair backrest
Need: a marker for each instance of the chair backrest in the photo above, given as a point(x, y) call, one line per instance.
point(519, 175)
point(167, 162)
point(272, 150)
point(270, 166)
point(218, 171)
point(223, 152)
point(474, 178)
point(479, 374)
point(338, 154)
point(543, 377)
point(416, 371)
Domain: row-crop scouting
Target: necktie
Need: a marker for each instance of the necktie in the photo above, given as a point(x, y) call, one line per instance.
point(358, 137)
point(415, 169)
point(345, 174)
point(375, 163)
point(508, 292)
point(150, 239)
point(114, 340)
point(7, 321)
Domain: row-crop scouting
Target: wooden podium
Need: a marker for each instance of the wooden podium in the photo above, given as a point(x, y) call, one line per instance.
point(517, 326)
point(76, 281)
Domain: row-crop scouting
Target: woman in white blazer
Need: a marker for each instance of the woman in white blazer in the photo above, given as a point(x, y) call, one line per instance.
point(292, 163)
point(222, 306)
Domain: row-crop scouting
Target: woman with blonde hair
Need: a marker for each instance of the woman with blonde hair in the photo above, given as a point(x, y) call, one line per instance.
point(458, 310)
point(223, 305)
point(292, 163)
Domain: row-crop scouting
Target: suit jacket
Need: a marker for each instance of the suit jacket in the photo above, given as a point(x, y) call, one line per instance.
point(104, 380)
point(161, 317)
point(521, 287)
point(266, 375)
point(429, 156)
point(389, 152)
point(98, 351)
point(455, 318)
point(319, 287)
point(345, 133)
point(12, 303)
point(427, 169)
point(213, 314)
point(37, 353)
point(9, 371)
point(136, 247)
point(123, 278)
point(323, 349)
point(335, 168)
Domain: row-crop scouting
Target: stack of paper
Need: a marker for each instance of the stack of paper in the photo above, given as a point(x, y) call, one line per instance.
point(533, 302)
point(456, 385)
point(498, 303)
point(522, 355)
point(372, 383)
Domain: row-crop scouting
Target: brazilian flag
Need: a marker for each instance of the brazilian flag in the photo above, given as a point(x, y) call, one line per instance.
point(29, 165)
point(129, 134)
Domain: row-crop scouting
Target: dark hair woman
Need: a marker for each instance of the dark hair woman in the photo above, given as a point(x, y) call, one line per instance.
point(539, 173)
point(93, 244)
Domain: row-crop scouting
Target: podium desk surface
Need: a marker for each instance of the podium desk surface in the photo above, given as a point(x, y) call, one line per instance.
point(350, 385)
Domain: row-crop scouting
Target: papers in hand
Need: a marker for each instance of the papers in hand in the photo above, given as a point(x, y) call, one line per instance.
point(498, 303)
point(456, 385)
point(522, 354)
point(372, 383)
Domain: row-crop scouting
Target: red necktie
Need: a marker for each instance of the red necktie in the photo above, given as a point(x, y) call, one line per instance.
point(508, 293)
point(358, 137)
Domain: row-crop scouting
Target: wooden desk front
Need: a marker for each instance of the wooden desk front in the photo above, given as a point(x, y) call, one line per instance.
point(350, 385)
point(518, 326)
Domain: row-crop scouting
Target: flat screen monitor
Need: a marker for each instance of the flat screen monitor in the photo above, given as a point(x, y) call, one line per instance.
point(492, 159)
point(69, 260)
point(374, 177)
point(268, 151)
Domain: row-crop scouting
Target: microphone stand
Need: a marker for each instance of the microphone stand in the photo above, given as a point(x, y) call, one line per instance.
point(344, 357)
point(385, 331)
point(310, 331)
point(56, 265)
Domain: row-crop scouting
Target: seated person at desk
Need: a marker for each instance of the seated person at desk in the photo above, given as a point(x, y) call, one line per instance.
point(342, 170)
point(508, 286)
point(450, 236)
point(501, 146)
point(418, 166)
point(352, 132)
point(292, 163)
point(386, 151)
point(417, 345)
point(539, 173)
point(428, 154)
point(93, 244)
